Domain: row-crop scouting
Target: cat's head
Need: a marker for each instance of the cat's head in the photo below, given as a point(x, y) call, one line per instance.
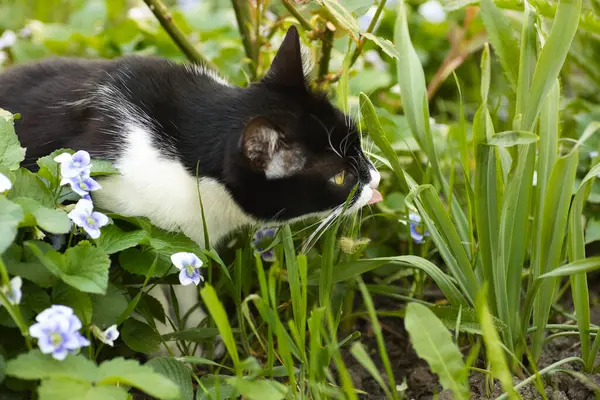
point(298, 154)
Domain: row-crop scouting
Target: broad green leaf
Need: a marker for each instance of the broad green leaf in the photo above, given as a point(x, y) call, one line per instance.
point(433, 343)
point(503, 39)
point(49, 219)
point(139, 262)
point(35, 365)
point(24, 263)
point(217, 312)
point(78, 301)
point(11, 215)
point(27, 184)
point(177, 372)
point(384, 44)
point(140, 336)
point(11, 152)
point(552, 57)
point(259, 389)
point(102, 167)
point(166, 243)
point(114, 240)
point(119, 371)
point(67, 389)
point(493, 346)
point(512, 138)
point(108, 307)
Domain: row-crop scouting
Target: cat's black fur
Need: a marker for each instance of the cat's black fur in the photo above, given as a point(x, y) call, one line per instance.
point(193, 118)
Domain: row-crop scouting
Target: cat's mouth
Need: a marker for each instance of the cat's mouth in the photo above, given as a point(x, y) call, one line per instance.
point(375, 197)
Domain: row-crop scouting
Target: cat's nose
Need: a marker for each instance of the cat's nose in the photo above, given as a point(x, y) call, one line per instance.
point(375, 178)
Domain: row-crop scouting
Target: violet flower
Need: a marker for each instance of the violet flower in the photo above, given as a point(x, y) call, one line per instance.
point(84, 216)
point(189, 264)
point(262, 240)
point(57, 332)
point(81, 184)
point(13, 290)
point(108, 336)
point(417, 229)
point(74, 165)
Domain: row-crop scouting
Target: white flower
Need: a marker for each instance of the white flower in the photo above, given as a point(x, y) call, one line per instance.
point(189, 264)
point(432, 11)
point(5, 183)
point(13, 291)
point(74, 165)
point(139, 13)
point(108, 336)
point(84, 216)
point(7, 39)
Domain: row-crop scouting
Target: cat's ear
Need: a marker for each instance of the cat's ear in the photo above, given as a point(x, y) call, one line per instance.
point(287, 66)
point(264, 148)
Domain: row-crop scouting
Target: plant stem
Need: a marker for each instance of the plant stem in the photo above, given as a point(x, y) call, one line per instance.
point(297, 14)
point(243, 17)
point(325, 53)
point(361, 43)
point(161, 13)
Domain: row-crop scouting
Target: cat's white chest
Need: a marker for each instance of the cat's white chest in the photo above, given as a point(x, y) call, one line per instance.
point(153, 186)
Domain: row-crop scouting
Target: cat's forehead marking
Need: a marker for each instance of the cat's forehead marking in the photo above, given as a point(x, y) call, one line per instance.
point(285, 162)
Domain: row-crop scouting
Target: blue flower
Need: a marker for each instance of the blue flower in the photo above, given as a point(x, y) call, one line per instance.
point(81, 184)
point(84, 216)
point(57, 332)
point(189, 264)
point(13, 290)
point(417, 230)
point(74, 165)
point(108, 336)
point(5, 183)
point(262, 240)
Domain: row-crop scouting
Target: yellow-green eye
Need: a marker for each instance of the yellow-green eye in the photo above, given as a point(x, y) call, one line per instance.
point(339, 178)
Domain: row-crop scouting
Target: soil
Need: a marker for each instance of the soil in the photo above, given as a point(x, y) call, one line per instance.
point(421, 383)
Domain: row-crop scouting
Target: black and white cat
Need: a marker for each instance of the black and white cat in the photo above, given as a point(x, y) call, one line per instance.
point(273, 152)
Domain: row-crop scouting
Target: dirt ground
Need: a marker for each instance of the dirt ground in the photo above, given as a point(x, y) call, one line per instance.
point(423, 384)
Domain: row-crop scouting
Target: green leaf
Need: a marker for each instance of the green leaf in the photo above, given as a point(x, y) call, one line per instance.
point(512, 138)
point(361, 355)
point(582, 265)
point(27, 184)
point(592, 231)
point(114, 240)
point(84, 266)
point(384, 44)
point(11, 215)
point(107, 308)
point(35, 365)
point(259, 389)
point(2, 369)
point(139, 262)
point(433, 343)
point(340, 15)
point(24, 263)
point(11, 152)
point(49, 219)
point(177, 372)
point(102, 167)
point(78, 301)
point(217, 312)
point(197, 335)
point(140, 337)
point(67, 389)
point(493, 345)
point(503, 39)
point(552, 57)
point(142, 377)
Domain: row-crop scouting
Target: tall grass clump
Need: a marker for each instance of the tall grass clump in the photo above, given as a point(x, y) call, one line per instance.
point(518, 225)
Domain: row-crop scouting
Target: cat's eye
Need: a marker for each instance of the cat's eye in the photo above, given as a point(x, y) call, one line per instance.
point(339, 179)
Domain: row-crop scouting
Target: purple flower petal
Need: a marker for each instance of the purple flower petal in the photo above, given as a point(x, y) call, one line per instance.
point(182, 260)
point(94, 233)
point(60, 354)
point(100, 219)
point(91, 184)
point(268, 255)
point(81, 158)
point(184, 278)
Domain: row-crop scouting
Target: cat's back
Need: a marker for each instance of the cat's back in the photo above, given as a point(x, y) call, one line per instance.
point(64, 102)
